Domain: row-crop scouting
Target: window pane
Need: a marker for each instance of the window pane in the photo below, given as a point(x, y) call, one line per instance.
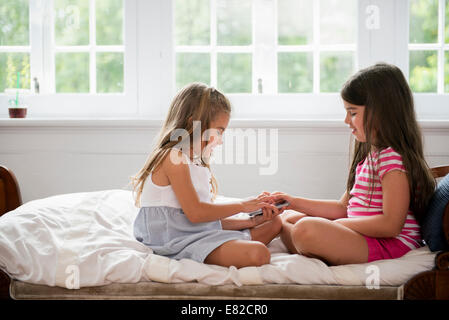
point(192, 22)
point(295, 72)
point(423, 21)
point(447, 21)
point(295, 22)
point(335, 69)
point(72, 72)
point(109, 22)
point(71, 22)
point(109, 72)
point(446, 72)
point(338, 21)
point(234, 22)
point(14, 24)
point(234, 72)
point(192, 67)
point(13, 63)
point(423, 71)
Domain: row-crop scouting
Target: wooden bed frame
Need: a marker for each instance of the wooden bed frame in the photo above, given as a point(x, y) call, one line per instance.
point(433, 284)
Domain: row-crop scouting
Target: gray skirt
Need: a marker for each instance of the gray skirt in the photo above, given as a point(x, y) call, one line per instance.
point(168, 232)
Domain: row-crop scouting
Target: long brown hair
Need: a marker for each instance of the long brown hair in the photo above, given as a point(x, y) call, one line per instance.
point(195, 102)
point(390, 121)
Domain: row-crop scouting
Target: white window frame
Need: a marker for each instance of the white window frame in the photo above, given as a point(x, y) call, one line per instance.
point(264, 51)
point(214, 49)
point(316, 48)
point(42, 49)
point(429, 106)
point(19, 49)
point(150, 70)
point(92, 49)
point(440, 47)
point(388, 42)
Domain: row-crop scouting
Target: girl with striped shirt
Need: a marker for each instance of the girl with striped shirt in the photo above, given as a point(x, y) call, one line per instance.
point(389, 182)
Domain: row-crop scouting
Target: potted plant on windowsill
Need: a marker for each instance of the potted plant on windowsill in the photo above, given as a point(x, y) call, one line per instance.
point(20, 112)
point(17, 109)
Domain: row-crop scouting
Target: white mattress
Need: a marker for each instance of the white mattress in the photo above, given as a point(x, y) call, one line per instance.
point(86, 239)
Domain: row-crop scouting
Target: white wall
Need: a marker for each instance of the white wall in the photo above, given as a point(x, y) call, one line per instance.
point(52, 157)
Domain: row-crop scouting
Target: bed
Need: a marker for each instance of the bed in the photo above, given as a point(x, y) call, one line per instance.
point(80, 246)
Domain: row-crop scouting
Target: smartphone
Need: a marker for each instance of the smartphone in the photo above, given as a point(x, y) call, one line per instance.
point(278, 205)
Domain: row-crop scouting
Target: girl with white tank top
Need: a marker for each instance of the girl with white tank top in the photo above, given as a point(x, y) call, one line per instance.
point(201, 230)
point(162, 225)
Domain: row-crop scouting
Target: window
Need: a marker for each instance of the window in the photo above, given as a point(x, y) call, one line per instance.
point(214, 43)
point(71, 54)
point(88, 46)
point(275, 59)
point(14, 45)
point(429, 46)
point(316, 44)
point(282, 46)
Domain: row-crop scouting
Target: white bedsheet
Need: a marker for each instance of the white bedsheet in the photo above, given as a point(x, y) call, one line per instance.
point(86, 239)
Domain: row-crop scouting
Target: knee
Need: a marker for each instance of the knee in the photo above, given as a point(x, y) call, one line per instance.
point(259, 255)
point(285, 223)
point(290, 217)
point(304, 232)
point(286, 215)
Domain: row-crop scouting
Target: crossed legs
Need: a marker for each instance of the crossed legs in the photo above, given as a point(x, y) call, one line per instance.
point(310, 236)
point(244, 253)
point(322, 238)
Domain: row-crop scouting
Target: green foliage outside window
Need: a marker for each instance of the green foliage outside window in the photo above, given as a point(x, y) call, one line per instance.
point(192, 67)
point(295, 72)
point(14, 27)
point(193, 28)
point(72, 72)
point(234, 72)
point(423, 64)
point(71, 29)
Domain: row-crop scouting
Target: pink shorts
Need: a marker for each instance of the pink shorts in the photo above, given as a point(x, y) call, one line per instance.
point(385, 248)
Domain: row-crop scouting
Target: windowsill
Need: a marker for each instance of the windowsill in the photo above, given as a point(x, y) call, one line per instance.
point(151, 123)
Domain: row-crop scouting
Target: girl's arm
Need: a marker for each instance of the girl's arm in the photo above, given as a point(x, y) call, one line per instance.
point(178, 173)
point(330, 209)
point(239, 223)
point(232, 223)
point(395, 205)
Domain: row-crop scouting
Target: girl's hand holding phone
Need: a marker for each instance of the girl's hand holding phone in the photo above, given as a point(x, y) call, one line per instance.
point(268, 213)
point(282, 196)
point(264, 202)
point(253, 204)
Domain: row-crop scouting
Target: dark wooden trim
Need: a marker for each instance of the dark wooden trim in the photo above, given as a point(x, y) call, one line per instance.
point(10, 187)
point(5, 281)
point(11, 199)
point(439, 172)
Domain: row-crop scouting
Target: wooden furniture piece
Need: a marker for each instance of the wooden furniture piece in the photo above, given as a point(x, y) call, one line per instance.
point(10, 199)
point(433, 284)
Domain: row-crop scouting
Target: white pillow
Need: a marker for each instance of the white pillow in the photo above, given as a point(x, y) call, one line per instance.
point(47, 241)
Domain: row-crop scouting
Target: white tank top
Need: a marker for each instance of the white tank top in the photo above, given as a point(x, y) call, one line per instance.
point(159, 196)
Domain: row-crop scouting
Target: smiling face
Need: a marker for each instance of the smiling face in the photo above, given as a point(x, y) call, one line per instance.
point(213, 136)
point(354, 119)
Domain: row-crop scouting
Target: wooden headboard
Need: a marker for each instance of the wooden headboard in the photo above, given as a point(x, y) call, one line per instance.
point(10, 197)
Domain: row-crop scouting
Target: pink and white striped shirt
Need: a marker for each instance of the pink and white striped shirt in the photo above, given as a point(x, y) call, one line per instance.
point(369, 174)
